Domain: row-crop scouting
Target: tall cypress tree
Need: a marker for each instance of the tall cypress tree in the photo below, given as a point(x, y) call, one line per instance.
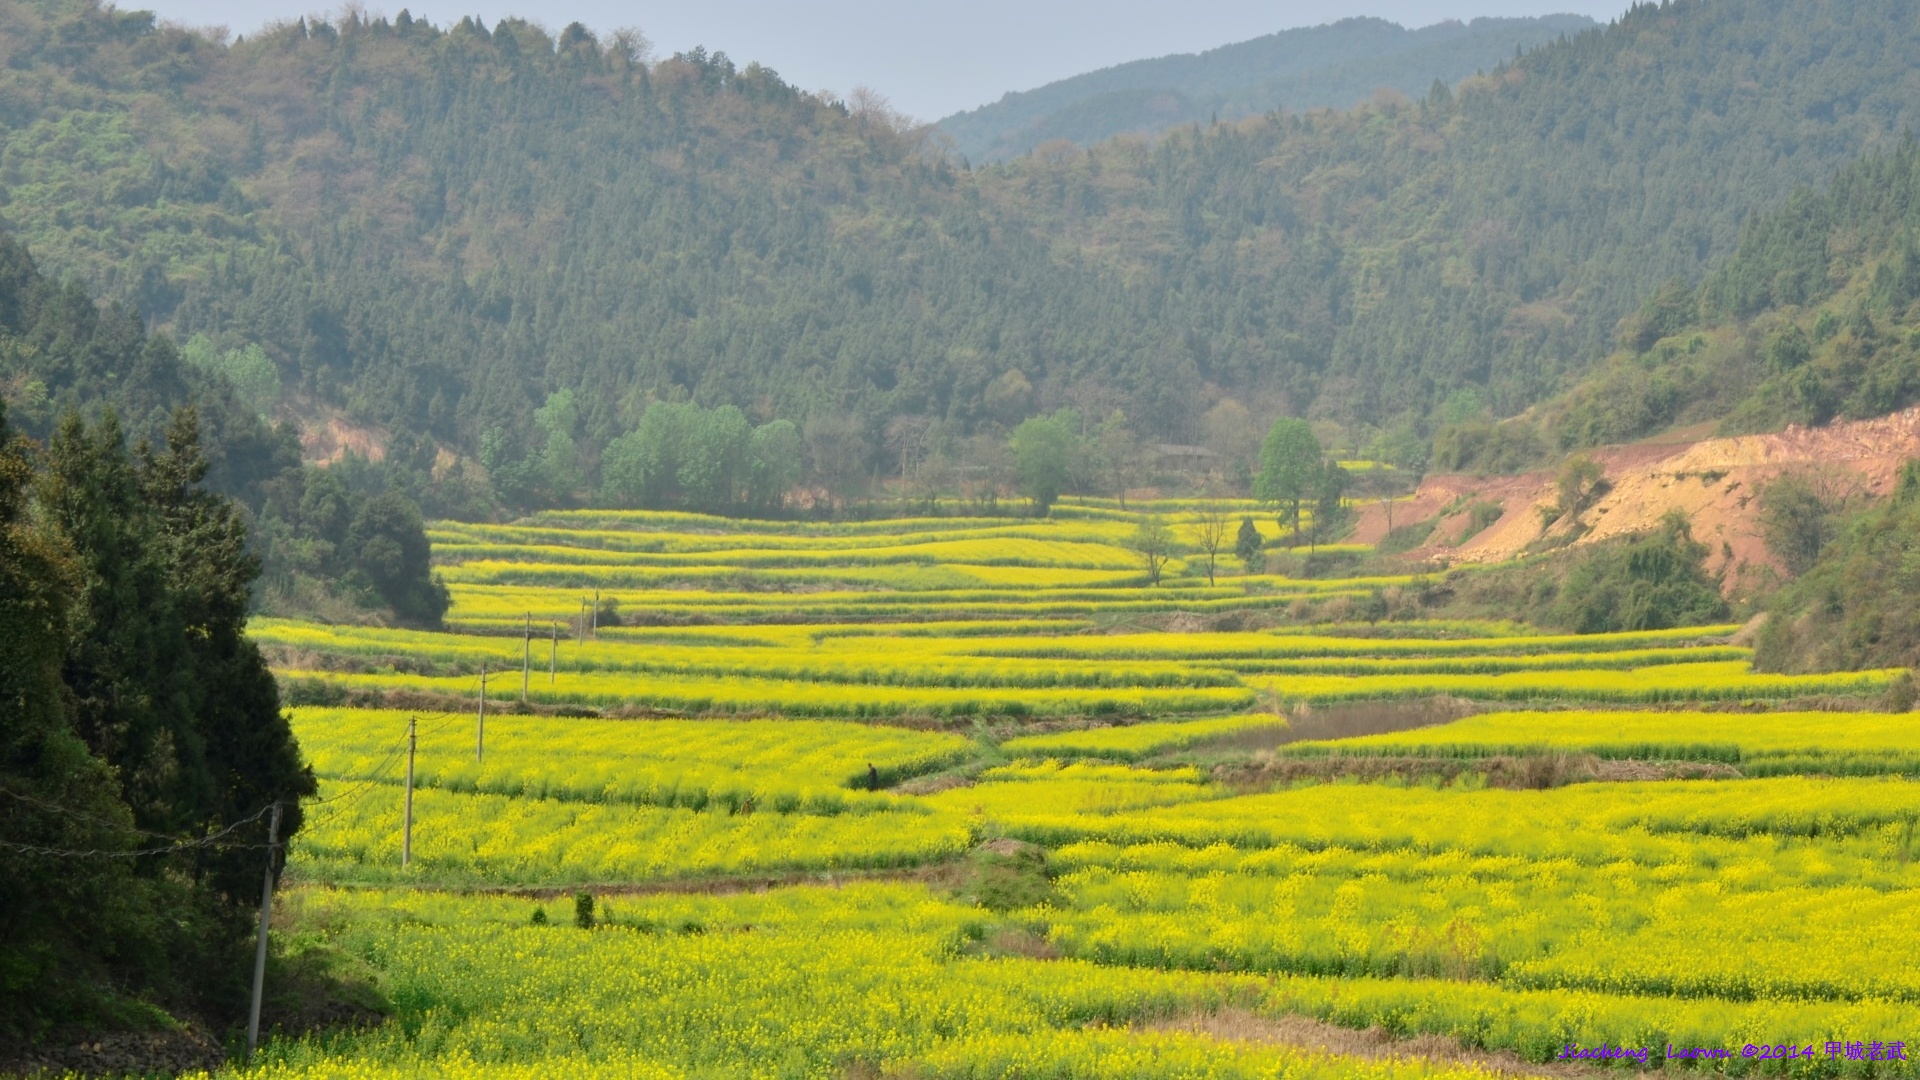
point(165, 686)
point(246, 752)
point(70, 925)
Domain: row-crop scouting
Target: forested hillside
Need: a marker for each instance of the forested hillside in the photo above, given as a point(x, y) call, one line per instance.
point(1812, 318)
point(1336, 66)
point(441, 229)
point(348, 540)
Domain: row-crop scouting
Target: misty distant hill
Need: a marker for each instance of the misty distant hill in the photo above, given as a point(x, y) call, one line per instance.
point(1337, 65)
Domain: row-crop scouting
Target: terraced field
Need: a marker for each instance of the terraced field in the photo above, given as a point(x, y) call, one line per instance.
point(970, 798)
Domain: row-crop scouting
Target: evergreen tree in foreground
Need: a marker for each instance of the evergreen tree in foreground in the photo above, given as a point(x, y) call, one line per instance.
point(133, 712)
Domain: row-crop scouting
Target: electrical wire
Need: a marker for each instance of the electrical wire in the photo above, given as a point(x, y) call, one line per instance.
point(333, 804)
point(339, 801)
point(214, 840)
point(83, 815)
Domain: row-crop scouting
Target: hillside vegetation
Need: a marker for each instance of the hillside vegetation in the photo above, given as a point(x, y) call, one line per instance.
point(439, 228)
point(346, 540)
point(1812, 318)
point(1336, 66)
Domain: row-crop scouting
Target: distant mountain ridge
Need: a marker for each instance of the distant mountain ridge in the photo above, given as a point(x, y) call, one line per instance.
point(1336, 65)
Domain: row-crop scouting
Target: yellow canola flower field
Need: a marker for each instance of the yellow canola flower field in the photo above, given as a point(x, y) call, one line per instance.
point(1012, 792)
point(1489, 665)
point(984, 551)
point(1763, 744)
point(504, 606)
point(1715, 681)
point(805, 989)
point(761, 914)
point(862, 660)
point(1135, 741)
point(1650, 823)
point(812, 766)
point(1317, 642)
point(809, 982)
point(469, 840)
point(767, 697)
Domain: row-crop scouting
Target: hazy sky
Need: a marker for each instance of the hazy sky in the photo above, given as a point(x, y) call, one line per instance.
point(929, 59)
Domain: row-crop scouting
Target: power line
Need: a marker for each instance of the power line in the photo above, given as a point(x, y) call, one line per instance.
point(334, 804)
point(180, 845)
point(340, 800)
point(379, 771)
point(372, 778)
point(105, 823)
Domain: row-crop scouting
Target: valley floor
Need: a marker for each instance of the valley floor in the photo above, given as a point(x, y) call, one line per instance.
point(948, 798)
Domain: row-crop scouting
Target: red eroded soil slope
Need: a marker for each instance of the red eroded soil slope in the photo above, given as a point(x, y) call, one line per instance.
point(1714, 481)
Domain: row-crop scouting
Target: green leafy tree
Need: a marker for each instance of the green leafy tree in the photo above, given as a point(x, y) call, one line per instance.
point(1044, 452)
point(1290, 469)
point(1115, 455)
point(254, 377)
point(837, 451)
point(640, 468)
point(1581, 482)
point(682, 455)
point(388, 542)
point(775, 462)
point(1671, 309)
point(1329, 498)
point(1651, 582)
point(559, 458)
point(1858, 605)
point(1797, 517)
point(515, 480)
point(1789, 349)
point(70, 926)
point(712, 470)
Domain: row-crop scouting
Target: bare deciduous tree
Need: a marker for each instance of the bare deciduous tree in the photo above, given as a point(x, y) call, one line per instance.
point(629, 44)
point(1155, 543)
point(869, 106)
point(1213, 529)
point(907, 436)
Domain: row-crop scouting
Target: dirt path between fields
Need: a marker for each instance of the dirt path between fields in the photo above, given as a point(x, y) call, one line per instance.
point(1318, 1036)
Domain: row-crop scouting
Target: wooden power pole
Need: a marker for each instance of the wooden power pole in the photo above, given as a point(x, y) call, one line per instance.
point(480, 735)
point(406, 827)
point(260, 948)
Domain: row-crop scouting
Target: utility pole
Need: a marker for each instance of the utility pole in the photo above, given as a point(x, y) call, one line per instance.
point(596, 614)
point(526, 657)
point(553, 652)
point(580, 628)
point(480, 737)
point(260, 949)
point(406, 829)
